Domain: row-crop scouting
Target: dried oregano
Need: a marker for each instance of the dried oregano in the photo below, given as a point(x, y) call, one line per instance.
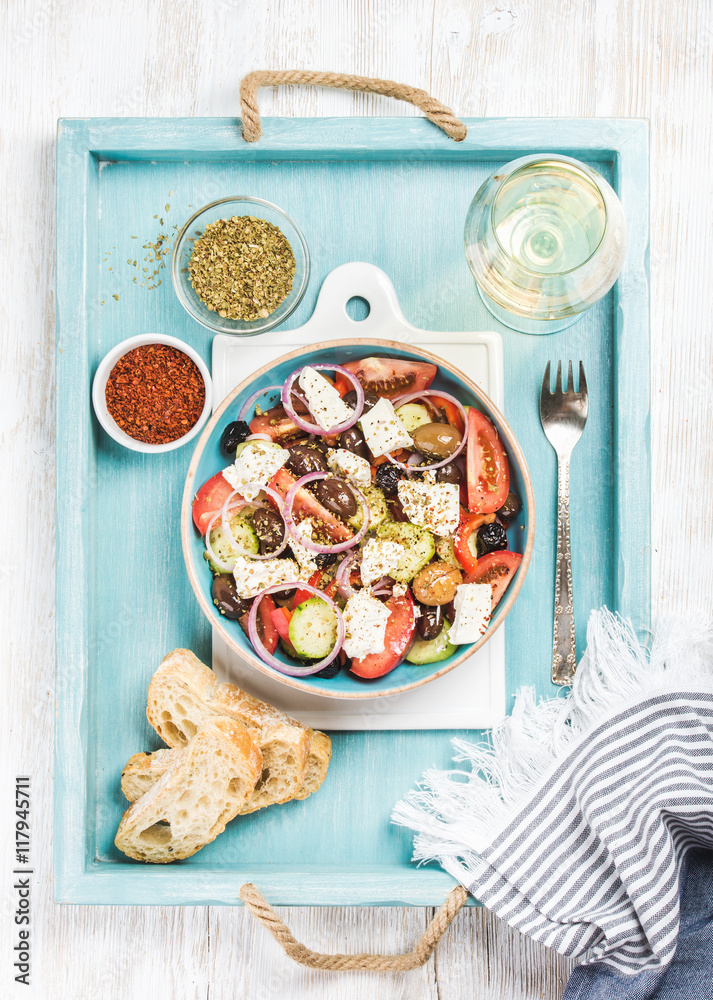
point(242, 267)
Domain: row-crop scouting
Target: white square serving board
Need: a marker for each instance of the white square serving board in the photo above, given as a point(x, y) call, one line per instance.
point(472, 695)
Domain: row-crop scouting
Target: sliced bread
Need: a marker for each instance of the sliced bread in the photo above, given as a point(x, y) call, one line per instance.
point(201, 789)
point(143, 770)
point(184, 694)
point(320, 754)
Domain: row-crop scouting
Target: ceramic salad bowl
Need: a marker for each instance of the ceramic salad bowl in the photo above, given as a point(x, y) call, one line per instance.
point(208, 459)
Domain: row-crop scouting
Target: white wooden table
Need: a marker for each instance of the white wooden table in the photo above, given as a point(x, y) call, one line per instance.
point(648, 58)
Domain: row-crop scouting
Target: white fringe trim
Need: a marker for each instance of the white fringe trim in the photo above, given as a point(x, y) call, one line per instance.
point(457, 813)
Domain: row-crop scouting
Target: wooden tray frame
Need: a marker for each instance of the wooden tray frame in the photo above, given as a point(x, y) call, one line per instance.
point(82, 146)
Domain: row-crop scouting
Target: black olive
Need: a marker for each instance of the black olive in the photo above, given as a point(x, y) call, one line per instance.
point(303, 459)
point(449, 474)
point(269, 528)
point(299, 405)
point(353, 440)
point(491, 538)
point(387, 478)
point(449, 611)
point(325, 559)
point(226, 599)
point(331, 670)
point(370, 400)
point(336, 497)
point(511, 508)
point(233, 435)
point(430, 623)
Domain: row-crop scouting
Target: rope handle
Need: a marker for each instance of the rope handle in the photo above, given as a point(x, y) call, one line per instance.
point(261, 909)
point(438, 113)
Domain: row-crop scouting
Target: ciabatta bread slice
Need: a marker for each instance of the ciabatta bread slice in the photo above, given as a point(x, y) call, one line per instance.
point(320, 754)
point(202, 788)
point(143, 770)
point(184, 694)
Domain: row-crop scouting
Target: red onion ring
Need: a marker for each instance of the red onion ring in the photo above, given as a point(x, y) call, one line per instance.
point(272, 661)
point(258, 437)
point(251, 400)
point(436, 465)
point(225, 567)
point(253, 503)
point(383, 586)
point(315, 428)
point(306, 542)
point(343, 574)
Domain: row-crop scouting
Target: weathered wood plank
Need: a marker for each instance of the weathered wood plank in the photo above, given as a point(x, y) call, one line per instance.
point(560, 57)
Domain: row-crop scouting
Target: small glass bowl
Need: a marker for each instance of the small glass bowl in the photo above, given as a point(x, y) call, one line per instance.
point(101, 378)
point(224, 209)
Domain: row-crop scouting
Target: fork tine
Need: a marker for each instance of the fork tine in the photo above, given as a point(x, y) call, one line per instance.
point(582, 381)
point(558, 380)
point(545, 391)
point(570, 380)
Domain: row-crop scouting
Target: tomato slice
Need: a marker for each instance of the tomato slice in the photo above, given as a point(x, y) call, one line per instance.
point(308, 505)
point(497, 569)
point(265, 625)
point(464, 541)
point(209, 499)
point(400, 628)
point(487, 466)
point(389, 377)
point(276, 424)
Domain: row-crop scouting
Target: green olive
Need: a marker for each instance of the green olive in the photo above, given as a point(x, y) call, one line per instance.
point(436, 441)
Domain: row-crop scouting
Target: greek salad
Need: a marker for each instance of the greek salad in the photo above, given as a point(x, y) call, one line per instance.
point(362, 521)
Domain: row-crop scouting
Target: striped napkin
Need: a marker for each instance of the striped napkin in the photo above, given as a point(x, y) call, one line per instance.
point(573, 820)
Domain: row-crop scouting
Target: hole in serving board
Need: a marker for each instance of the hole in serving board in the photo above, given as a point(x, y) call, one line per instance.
point(358, 308)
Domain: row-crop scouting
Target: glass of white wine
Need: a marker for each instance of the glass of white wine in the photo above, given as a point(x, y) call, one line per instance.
point(545, 238)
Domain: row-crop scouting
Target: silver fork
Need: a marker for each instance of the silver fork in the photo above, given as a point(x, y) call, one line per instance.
point(563, 416)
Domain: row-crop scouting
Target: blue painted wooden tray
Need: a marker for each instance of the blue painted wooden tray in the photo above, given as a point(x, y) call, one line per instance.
point(394, 192)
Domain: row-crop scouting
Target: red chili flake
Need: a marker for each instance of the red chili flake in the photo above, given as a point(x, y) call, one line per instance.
point(155, 393)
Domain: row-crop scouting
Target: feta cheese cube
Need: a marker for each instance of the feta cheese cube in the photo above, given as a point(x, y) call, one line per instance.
point(257, 463)
point(350, 466)
point(473, 604)
point(383, 430)
point(325, 404)
point(253, 575)
point(365, 620)
point(435, 506)
point(380, 557)
point(304, 557)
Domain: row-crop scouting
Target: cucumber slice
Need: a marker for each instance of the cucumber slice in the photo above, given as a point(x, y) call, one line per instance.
point(413, 415)
point(313, 629)
point(432, 650)
point(378, 510)
point(445, 552)
point(418, 543)
point(244, 535)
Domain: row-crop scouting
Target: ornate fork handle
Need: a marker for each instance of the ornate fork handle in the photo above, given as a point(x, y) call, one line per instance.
point(564, 651)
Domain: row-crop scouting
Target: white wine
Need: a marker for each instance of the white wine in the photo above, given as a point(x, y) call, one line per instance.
point(549, 218)
point(545, 237)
